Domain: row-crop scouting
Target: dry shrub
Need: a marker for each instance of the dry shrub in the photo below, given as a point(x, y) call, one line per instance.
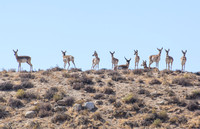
point(143, 91)
point(68, 101)
point(118, 78)
point(2, 99)
point(117, 104)
point(182, 81)
point(108, 90)
point(55, 69)
point(43, 110)
point(101, 71)
point(60, 118)
point(50, 93)
point(82, 79)
point(27, 84)
point(43, 80)
point(26, 76)
point(120, 113)
point(193, 105)
point(138, 71)
point(111, 99)
point(194, 95)
point(157, 123)
point(113, 73)
point(78, 86)
point(178, 101)
point(99, 96)
point(90, 89)
point(15, 103)
point(6, 86)
point(3, 112)
point(75, 70)
point(130, 99)
point(155, 81)
point(97, 116)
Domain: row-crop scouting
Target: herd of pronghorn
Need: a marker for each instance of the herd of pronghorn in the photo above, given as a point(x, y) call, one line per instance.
point(95, 62)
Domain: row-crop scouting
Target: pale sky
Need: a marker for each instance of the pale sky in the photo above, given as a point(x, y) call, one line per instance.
point(41, 29)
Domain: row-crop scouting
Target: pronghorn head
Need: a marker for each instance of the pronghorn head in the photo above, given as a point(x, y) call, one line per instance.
point(95, 54)
point(63, 52)
point(144, 63)
point(15, 52)
point(135, 52)
point(167, 52)
point(160, 50)
point(112, 53)
point(127, 61)
point(184, 53)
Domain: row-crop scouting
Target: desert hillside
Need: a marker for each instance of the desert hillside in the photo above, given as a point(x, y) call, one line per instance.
point(62, 99)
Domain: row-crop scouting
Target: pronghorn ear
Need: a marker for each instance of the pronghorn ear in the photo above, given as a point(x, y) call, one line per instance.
point(182, 51)
point(165, 50)
point(17, 50)
point(130, 59)
point(185, 51)
point(13, 50)
point(168, 49)
point(114, 52)
point(137, 50)
point(65, 51)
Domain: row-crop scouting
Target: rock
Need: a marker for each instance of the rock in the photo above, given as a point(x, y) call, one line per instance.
point(59, 108)
point(77, 107)
point(30, 114)
point(89, 105)
point(161, 102)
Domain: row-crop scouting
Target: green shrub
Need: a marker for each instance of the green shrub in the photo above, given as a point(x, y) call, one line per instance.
point(157, 123)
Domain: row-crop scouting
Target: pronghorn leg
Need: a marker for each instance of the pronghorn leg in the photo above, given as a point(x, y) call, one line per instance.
point(28, 62)
point(68, 65)
point(150, 62)
point(19, 67)
point(64, 65)
point(74, 64)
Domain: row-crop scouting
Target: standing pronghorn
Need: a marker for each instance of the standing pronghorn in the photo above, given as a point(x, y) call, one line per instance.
point(137, 58)
point(114, 60)
point(155, 58)
point(95, 61)
point(67, 59)
point(23, 59)
point(169, 60)
point(126, 66)
point(183, 60)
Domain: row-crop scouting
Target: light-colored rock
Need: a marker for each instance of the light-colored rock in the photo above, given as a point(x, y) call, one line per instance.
point(89, 105)
point(59, 108)
point(77, 107)
point(30, 114)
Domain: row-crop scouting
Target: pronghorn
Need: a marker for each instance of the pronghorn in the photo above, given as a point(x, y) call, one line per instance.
point(144, 64)
point(114, 60)
point(95, 61)
point(22, 59)
point(155, 58)
point(183, 60)
point(169, 60)
point(126, 66)
point(137, 58)
point(67, 59)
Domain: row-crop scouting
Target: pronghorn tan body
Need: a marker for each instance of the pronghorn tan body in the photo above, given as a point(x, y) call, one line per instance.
point(183, 60)
point(95, 61)
point(23, 59)
point(67, 59)
point(114, 60)
point(137, 59)
point(155, 58)
point(144, 64)
point(126, 66)
point(169, 60)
